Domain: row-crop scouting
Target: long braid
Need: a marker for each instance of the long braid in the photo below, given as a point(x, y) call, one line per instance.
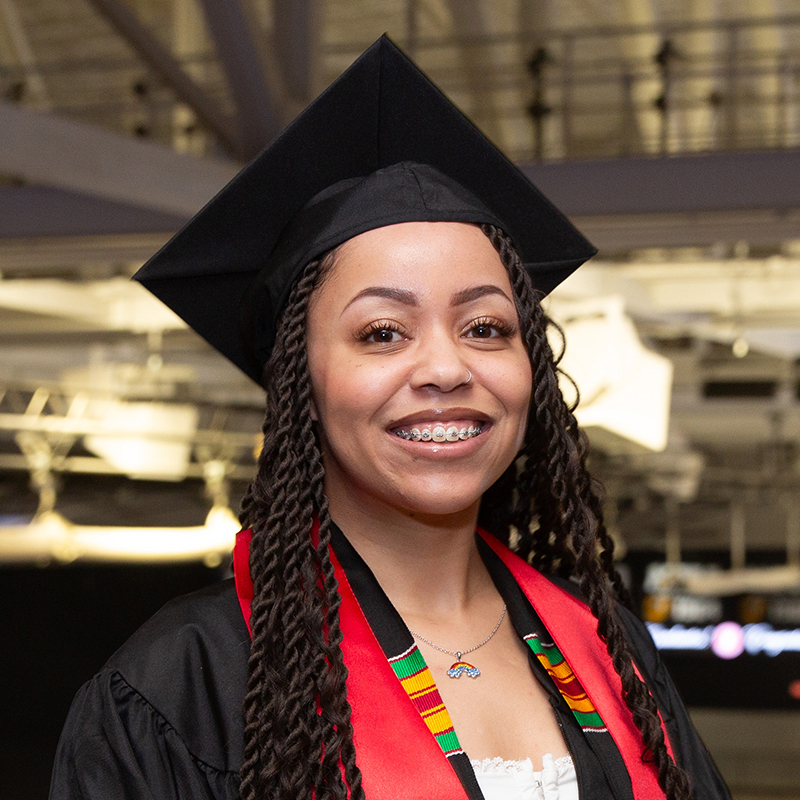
point(296, 664)
point(571, 538)
point(590, 490)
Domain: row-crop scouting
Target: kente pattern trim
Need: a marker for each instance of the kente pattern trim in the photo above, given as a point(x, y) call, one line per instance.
point(567, 683)
point(416, 679)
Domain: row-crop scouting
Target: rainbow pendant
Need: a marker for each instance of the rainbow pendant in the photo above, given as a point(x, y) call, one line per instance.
point(463, 668)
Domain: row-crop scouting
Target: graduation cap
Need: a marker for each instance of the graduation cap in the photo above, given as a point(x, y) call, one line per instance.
point(381, 145)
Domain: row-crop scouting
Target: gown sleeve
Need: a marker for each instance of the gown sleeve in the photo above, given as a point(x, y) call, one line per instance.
point(163, 719)
point(690, 752)
point(115, 744)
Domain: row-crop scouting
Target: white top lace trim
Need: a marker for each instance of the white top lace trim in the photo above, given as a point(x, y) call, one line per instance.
point(516, 780)
point(526, 765)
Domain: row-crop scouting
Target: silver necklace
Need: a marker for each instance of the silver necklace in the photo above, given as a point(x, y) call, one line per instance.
point(462, 667)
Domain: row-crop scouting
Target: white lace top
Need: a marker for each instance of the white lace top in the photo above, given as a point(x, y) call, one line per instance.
point(516, 780)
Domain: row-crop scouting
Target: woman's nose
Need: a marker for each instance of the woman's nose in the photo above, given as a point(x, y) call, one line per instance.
point(440, 365)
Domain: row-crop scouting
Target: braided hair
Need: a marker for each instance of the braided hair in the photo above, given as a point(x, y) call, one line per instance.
point(298, 732)
point(297, 718)
point(571, 538)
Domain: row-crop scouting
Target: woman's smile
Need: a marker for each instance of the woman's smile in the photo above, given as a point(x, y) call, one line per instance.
point(421, 382)
point(449, 432)
point(440, 426)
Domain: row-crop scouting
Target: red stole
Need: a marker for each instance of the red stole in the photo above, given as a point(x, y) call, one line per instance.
point(397, 754)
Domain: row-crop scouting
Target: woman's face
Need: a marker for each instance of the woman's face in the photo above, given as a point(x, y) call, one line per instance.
point(406, 314)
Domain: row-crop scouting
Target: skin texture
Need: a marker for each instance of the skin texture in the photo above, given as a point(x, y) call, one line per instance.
point(406, 314)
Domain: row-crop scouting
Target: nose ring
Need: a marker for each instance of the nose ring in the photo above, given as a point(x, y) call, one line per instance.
point(468, 379)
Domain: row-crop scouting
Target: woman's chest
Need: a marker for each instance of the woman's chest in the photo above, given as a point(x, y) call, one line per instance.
point(505, 711)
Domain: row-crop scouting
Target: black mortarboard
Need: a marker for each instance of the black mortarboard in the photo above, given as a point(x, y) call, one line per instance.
point(381, 145)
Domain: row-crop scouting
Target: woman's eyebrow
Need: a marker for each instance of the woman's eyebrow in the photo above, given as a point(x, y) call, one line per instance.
point(475, 293)
point(403, 296)
point(409, 298)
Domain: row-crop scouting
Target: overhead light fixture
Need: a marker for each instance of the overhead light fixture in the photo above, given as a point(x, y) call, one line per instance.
point(740, 347)
point(625, 388)
point(145, 440)
point(51, 537)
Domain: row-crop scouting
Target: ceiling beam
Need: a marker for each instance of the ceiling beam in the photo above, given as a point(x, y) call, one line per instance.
point(46, 149)
point(676, 184)
point(162, 62)
point(34, 82)
point(621, 234)
point(258, 117)
point(32, 212)
point(678, 201)
point(621, 203)
point(296, 43)
point(70, 254)
point(642, 126)
point(472, 19)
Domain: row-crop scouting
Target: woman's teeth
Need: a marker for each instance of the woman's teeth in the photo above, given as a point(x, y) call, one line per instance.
point(439, 433)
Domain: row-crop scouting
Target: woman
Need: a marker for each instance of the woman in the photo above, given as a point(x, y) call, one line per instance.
point(411, 390)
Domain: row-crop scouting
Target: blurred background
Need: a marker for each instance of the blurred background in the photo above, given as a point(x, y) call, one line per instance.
point(668, 130)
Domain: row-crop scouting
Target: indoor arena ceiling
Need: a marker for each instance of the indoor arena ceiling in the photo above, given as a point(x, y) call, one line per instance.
point(669, 130)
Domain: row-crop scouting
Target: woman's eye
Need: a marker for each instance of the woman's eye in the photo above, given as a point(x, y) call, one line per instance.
point(487, 329)
point(382, 335)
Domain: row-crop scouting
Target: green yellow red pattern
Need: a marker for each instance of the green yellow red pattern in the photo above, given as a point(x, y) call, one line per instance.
point(564, 678)
point(416, 679)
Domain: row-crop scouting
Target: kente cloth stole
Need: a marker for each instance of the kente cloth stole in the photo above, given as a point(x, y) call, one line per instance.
point(403, 734)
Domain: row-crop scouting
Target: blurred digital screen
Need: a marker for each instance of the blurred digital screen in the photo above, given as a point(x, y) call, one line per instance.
point(739, 650)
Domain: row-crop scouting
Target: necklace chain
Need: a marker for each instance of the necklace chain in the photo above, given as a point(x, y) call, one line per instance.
point(459, 653)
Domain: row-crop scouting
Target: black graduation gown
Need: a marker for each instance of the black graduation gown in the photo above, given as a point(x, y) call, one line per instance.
point(163, 718)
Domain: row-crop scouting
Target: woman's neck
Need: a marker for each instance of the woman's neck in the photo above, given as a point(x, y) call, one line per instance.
point(429, 566)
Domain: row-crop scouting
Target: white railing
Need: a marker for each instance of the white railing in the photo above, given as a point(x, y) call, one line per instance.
point(587, 92)
point(626, 90)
